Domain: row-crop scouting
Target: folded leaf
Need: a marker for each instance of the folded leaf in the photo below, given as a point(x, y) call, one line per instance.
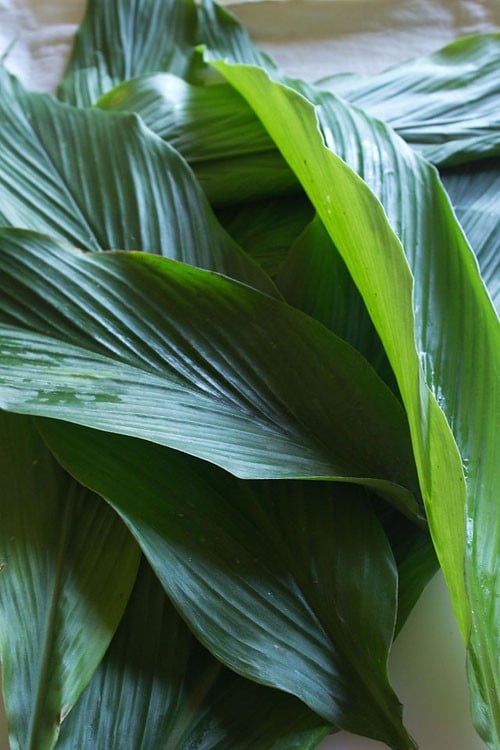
point(120, 39)
point(437, 325)
point(292, 584)
point(126, 38)
point(445, 104)
point(157, 687)
point(101, 181)
point(68, 565)
point(195, 361)
point(214, 129)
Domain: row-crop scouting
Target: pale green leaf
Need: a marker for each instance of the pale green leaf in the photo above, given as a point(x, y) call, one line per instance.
point(446, 104)
point(474, 191)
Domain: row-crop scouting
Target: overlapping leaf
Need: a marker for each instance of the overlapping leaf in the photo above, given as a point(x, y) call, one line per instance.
point(122, 39)
point(292, 583)
point(444, 104)
point(194, 361)
point(267, 229)
point(315, 279)
point(67, 568)
point(102, 182)
point(157, 687)
point(214, 129)
point(438, 328)
point(474, 191)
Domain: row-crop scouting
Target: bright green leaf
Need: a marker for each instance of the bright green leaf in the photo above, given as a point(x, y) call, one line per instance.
point(437, 325)
point(67, 567)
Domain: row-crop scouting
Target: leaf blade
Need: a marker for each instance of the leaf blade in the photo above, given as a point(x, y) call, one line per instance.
point(281, 581)
point(157, 687)
point(62, 598)
point(403, 315)
point(143, 335)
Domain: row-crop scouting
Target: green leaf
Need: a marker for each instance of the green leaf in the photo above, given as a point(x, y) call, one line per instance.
point(315, 279)
point(474, 191)
point(204, 123)
point(267, 229)
point(292, 584)
point(68, 565)
point(195, 361)
point(104, 181)
point(157, 687)
point(122, 39)
point(214, 129)
point(437, 325)
point(445, 104)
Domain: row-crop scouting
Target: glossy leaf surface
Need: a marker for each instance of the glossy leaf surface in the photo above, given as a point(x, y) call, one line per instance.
point(474, 191)
point(100, 181)
point(122, 39)
point(437, 325)
point(157, 687)
point(445, 104)
point(290, 583)
point(195, 361)
point(214, 129)
point(68, 565)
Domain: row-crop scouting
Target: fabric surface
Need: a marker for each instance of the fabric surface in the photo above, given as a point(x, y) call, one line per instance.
point(308, 38)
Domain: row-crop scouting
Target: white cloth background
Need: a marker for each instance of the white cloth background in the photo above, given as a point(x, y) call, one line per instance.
point(312, 39)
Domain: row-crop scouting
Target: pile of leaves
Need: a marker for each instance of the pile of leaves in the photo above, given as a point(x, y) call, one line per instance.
point(249, 362)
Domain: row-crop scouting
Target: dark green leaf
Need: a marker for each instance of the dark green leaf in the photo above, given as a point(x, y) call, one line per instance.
point(315, 279)
point(474, 191)
point(290, 583)
point(157, 687)
point(446, 105)
point(267, 229)
point(119, 39)
point(122, 39)
point(67, 567)
point(214, 129)
point(104, 181)
point(195, 361)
